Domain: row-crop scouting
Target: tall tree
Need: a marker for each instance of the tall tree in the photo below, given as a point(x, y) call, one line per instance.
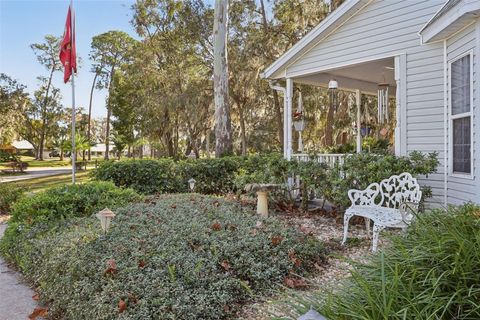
point(223, 125)
point(13, 102)
point(47, 54)
point(109, 51)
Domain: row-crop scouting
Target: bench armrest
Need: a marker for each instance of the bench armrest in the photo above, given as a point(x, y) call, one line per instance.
point(364, 197)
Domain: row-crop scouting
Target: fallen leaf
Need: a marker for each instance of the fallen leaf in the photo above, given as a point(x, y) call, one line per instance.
point(38, 312)
point(277, 240)
point(121, 306)
point(111, 266)
point(225, 265)
point(294, 259)
point(305, 229)
point(216, 226)
point(36, 297)
point(141, 264)
point(173, 206)
point(292, 282)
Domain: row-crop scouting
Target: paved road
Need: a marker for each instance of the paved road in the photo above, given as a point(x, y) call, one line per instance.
point(32, 173)
point(16, 301)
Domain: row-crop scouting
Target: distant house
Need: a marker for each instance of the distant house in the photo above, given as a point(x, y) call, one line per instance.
point(98, 150)
point(428, 51)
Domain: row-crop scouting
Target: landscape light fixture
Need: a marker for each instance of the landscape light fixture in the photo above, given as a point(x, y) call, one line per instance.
point(191, 184)
point(312, 315)
point(105, 216)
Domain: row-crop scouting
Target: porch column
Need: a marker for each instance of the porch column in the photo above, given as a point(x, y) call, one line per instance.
point(289, 98)
point(359, 117)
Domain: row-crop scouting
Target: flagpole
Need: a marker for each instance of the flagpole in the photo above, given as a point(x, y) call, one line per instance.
point(74, 153)
point(74, 149)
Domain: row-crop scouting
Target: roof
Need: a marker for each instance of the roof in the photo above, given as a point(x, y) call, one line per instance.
point(99, 147)
point(323, 29)
point(23, 145)
point(452, 17)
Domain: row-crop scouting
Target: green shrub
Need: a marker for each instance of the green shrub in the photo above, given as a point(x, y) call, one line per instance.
point(5, 156)
point(176, 257)
point(431, 273)
point(360, 170)
point(213, 176)
point(9, 194)
point(145, 176)
point(71, 200)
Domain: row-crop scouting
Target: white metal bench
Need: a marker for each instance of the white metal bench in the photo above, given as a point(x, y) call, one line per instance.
point(390, 203)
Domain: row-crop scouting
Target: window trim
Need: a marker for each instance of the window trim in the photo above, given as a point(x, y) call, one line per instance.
point(459, 116)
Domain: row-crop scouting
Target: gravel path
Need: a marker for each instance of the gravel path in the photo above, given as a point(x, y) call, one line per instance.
point(16, 301)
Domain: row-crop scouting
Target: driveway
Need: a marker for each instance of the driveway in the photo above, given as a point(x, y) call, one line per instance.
point(16, 302)
point(39, 172)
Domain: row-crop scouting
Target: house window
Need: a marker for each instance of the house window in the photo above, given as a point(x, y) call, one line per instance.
point(461, 114)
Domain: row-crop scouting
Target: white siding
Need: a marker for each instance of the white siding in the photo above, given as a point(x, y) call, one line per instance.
point(464, 189)
point(389, 28)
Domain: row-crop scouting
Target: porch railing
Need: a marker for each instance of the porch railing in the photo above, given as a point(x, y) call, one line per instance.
point(328, 158)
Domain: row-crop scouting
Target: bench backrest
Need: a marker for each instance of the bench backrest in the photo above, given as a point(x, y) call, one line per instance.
point(399, 189)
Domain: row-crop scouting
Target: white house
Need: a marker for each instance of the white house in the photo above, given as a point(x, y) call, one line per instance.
point(428, 53)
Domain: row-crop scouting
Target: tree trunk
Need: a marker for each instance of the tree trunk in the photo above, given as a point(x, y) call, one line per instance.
point(329, 126)
point(44, 116)
point(109, 115)
point(90, 114)
point(107, 133)
point(242, 129)
point(223, 125)
point(278, 116)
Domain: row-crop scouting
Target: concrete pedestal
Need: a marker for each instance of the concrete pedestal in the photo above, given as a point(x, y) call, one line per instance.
point(262, 203)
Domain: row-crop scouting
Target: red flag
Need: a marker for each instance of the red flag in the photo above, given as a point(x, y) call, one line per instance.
point(68, 54)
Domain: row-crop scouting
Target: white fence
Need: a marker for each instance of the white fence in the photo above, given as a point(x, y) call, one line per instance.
point(329, 159)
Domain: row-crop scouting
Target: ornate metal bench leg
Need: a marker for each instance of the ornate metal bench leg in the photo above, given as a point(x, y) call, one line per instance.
point(367, 226)
point(346, 220)
point(376, 232)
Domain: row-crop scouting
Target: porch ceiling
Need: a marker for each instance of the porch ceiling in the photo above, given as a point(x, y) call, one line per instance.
point(364, 77)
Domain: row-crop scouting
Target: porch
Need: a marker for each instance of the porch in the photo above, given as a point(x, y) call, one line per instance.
point(382, 79)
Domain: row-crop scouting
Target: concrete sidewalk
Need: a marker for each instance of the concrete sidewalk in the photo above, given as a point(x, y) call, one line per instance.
point(16, 301)
point(33, 173)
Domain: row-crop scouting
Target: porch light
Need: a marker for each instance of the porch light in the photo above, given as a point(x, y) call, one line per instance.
point(105, 216)
point(333, 84)
point(191, 184)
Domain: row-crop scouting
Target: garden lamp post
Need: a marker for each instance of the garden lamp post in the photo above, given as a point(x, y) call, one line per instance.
point(191, 184)
point(105, 216)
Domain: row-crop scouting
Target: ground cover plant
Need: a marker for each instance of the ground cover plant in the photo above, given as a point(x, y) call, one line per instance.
point(176, 257)
point(431, 273)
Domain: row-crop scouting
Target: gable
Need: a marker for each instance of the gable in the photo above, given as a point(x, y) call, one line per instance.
point(383, 28)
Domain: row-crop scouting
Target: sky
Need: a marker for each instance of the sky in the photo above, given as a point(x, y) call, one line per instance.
point(23, 22)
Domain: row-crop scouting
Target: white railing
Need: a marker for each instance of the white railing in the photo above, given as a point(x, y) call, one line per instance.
point(328, 158)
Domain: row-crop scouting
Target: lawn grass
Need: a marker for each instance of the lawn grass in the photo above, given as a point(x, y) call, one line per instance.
point(43, 183)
